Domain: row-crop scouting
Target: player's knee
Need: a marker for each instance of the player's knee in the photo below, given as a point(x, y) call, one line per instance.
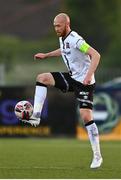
point(44, 78)
point(86, 115)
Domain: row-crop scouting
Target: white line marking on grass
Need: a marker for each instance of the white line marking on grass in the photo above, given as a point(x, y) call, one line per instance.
point(37, 167)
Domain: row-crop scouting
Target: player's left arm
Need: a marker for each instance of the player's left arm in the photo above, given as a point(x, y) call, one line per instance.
point(95, 58)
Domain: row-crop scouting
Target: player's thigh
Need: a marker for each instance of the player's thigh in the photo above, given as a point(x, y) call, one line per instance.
point(46, 78)
point(62, 81)
point(84, 95)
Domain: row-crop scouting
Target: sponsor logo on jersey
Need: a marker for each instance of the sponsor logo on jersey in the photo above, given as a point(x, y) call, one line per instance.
point(67, 45)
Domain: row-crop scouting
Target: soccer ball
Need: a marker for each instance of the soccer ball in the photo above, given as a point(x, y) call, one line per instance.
point(23, 110)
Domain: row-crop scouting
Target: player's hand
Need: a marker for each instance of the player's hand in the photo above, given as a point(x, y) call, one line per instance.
point(87, 81)
point(40, 56)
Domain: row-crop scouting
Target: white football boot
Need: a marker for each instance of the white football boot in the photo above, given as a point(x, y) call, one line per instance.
point(33, 121)
point(96, 162)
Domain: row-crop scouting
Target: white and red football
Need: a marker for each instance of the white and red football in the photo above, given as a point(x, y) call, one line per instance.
point(23, 110)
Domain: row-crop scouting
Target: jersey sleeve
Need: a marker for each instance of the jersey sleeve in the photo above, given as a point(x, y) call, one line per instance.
point(82, 45)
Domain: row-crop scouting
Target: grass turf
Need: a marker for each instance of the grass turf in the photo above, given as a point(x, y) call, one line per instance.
point(56, 159)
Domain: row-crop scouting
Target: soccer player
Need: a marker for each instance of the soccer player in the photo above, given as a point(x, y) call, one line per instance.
point(81, 60)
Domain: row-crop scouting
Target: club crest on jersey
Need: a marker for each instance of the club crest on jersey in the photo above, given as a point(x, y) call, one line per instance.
point(67, 45)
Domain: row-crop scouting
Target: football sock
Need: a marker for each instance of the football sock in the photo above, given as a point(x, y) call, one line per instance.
point(93, 137)
point(39, 98)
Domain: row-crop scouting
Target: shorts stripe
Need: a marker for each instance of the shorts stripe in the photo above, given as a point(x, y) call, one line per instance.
point(67, 85)
point(86, 101)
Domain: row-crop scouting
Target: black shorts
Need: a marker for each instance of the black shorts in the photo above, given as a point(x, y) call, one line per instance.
point(83, 93)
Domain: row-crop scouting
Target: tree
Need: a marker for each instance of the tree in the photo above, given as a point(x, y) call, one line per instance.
point(99, 22)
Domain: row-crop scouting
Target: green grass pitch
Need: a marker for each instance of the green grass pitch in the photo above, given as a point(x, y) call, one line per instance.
point(59, 158)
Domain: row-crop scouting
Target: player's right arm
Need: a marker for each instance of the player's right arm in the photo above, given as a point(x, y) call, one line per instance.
point(54, 53)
